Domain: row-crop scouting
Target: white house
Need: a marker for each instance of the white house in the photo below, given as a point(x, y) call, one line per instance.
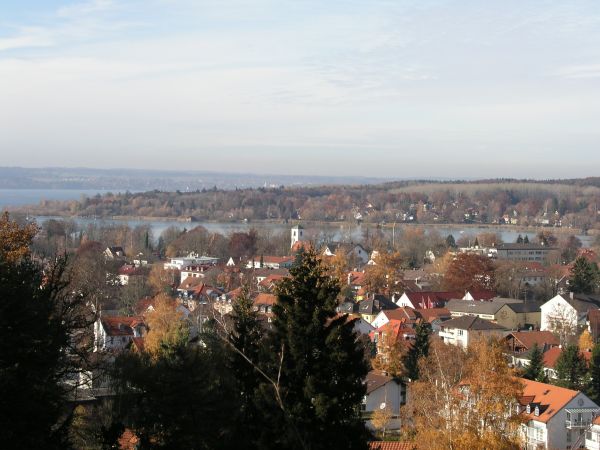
point(113, 333)
point(384, 392)
point(193, 259)
point(351, 250)
point(408, 315)
point(565, 314)
point(271, 262)
point(554, 417)
point(592, 435)
point(463, 330)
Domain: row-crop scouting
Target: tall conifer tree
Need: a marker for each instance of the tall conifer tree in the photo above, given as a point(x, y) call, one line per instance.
point(317, 364)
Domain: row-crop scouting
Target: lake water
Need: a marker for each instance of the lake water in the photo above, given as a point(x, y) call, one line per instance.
point(336, 232)
point(18, 197)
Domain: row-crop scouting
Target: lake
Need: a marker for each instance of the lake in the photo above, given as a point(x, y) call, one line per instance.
point(19, 197)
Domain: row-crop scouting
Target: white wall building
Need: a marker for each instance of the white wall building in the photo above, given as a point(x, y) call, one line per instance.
point(554, 417)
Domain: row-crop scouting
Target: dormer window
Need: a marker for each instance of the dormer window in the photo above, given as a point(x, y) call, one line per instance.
point(536, 412)
point(528, 409)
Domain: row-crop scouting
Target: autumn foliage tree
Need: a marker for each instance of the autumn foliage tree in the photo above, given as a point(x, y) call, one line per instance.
point(391, 352)
point(469, 271)
point(385, 275)
point(168, 328)
point(462, 399)
point(15, 239)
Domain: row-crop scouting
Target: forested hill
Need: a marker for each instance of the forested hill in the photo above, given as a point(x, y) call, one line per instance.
point(524, 202)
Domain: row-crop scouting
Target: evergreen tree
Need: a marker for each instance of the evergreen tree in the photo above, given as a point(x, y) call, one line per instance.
point(450, 242)
point(584, 276)
point(316, 365)
point(262, 261)
point(420, 348)
point(526, 240)
point(188, 399)
point(41, 332)
point(520, 239)
point(245, 338)
point(535, 369)
point(571, 370)
point(594, 384)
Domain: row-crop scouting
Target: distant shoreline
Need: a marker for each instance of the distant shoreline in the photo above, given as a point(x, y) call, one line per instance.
point(316, 224)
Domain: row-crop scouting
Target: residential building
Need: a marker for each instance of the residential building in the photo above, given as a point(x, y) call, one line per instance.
point(553, 417)
point(510, 313)
point(526, 252)
point(568, 312)
point(370, 308)
point(523, 341)
point(271, 262)
point(193, 259)
point(592, 435)
point(384, 392)
point(350, 250)
point(426, 299)
point(406, 315)
point(462, 331)
point(114, 333)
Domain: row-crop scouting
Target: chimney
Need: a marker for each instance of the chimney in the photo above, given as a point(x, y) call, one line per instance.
point(571, 295)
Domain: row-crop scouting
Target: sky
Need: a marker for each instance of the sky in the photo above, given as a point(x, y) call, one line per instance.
point(402, 89)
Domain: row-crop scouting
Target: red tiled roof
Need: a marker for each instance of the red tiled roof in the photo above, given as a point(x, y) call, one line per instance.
point(541, 338)
point(551, 399)
point(265, 299)
point(427, 299)
point(271, 279)
point(142, 305)
point(120, 325)
point(551, 355)
point(391, 445)
point(431, 314)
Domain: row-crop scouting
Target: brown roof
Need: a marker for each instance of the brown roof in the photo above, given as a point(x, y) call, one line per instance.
point(120, 325)
point(375, 379)
point(265, 299)
point(406, 313)
point(391, 445)
point(551, 399)
point(277, 259)
point(431, 314)
point(541, 338)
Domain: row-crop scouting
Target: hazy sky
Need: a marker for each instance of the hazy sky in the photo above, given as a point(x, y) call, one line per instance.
point(391, 88)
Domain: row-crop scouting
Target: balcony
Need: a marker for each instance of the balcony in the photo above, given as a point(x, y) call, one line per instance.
point(578, 423)
point(578, 418)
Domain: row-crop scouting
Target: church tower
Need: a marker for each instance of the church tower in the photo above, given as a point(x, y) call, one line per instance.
point(297, 234)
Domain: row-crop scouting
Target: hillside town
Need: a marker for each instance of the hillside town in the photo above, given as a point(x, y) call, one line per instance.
point(527, 313)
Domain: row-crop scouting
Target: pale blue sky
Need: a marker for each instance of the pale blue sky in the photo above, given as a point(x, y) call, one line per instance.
point(391, 88)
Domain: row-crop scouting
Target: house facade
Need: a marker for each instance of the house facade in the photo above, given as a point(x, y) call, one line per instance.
point(462, 331)
point(554, 417)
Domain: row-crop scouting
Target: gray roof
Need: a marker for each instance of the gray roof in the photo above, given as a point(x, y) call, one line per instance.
point(583, 302)
point(529, 307)
point(515, 246)
point(479, 307)
point(471, 323)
